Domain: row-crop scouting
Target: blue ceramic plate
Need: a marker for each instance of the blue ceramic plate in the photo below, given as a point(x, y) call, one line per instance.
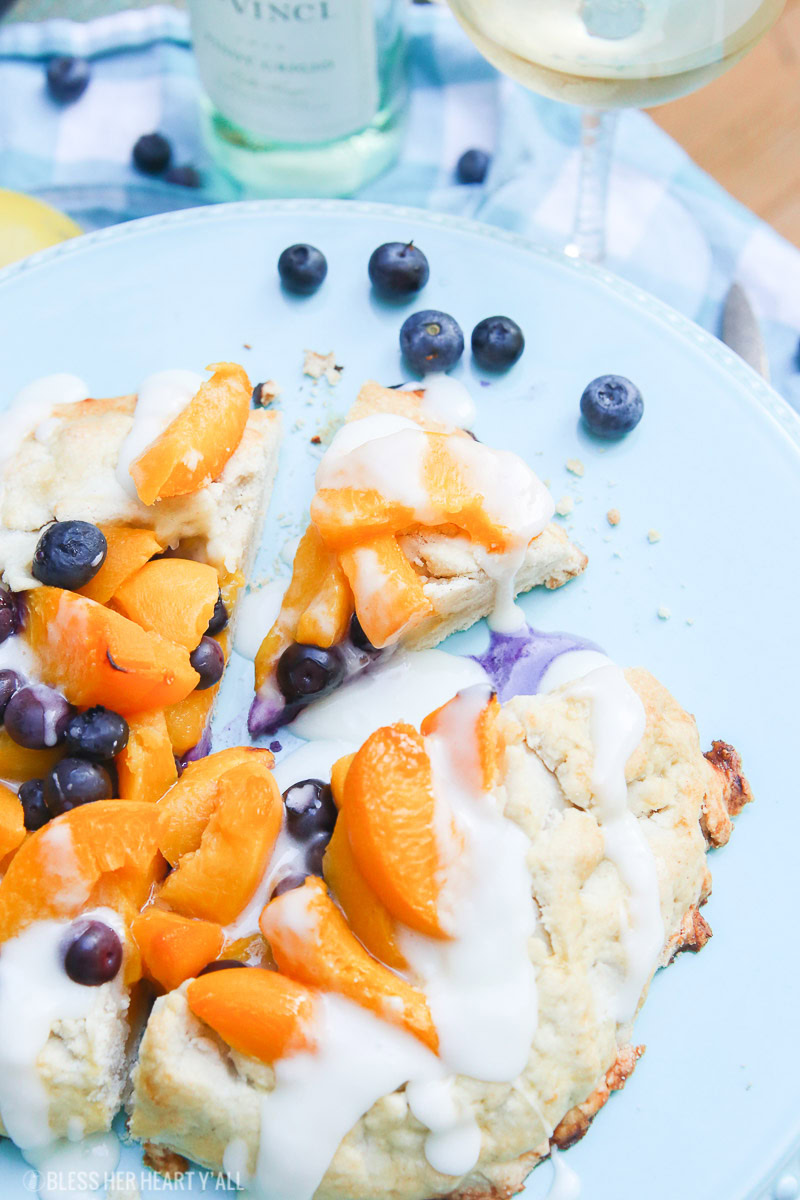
point(712, 1112)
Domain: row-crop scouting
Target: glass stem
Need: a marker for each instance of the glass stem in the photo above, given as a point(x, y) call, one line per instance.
point(597, 142)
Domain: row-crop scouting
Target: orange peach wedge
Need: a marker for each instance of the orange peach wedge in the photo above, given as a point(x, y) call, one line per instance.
point(146, 767)
point(367, 916)
point(173, 597)
point(128, 550)
point(97, 656)
point(175, 948)
point(389, 598)
point(217, 827)
point(258, 1012)
point(388, 804)
point(12, 825)
point(312, 943)
point(194, 448)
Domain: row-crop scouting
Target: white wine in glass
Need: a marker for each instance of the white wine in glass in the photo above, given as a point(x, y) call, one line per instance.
point(609, 54)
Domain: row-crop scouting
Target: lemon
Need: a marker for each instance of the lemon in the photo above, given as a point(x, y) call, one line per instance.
point(27, 225)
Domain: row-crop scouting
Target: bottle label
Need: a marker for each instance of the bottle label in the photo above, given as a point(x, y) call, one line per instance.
point(290, 71)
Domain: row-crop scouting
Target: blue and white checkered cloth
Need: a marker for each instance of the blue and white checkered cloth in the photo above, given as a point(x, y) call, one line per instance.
point(672, 229)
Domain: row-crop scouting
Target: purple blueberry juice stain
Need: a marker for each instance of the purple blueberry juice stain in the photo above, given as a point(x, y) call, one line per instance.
point(516, 662)
point(201, 750)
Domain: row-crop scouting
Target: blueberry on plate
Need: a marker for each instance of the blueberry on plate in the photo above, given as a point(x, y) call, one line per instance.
point(611, 405)
point(302, 269)
point(473, 166)
point(35, 812)
point(219, 618)
point(431, 341)
point(497, 343)
point(209, 662)
point(37, 716)
point(398, 270)
point(94, 955)
point(308, 672)
point(220, 964)
point(185, 176)
point(97, 734)
point(69, 554)
point(67, 78)
point(309, 808)
point(152, 153)
point(315, 851)
point(73, 782)
point(9, 614)
point(10, 682)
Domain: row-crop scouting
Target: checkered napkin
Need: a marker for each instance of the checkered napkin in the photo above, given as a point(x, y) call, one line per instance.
point(672, 230)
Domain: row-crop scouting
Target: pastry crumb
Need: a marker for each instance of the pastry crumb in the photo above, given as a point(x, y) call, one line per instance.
point(316, 440)
point(575, 466)
point(690, 620)
point(565, 506)
point(612, 516)
point(653, 536)
point(266, 393)
point(664, 613)
point(322, 366)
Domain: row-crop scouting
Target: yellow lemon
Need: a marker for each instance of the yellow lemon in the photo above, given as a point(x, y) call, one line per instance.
point(27, 225)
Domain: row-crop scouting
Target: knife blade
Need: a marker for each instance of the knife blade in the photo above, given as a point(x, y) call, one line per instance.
point(741, 331)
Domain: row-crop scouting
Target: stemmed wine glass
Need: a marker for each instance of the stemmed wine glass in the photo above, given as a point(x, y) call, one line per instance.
point(609, 54)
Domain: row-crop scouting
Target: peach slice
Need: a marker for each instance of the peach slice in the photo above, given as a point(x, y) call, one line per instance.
point(104, 853)
point(187, 720)
point(346, 516)
point(173, 597)
point(194, 448)
point(483, 767)
point(217, 826)
point(310, 570)
point(338, 775)
point(128, 550)
point(369, 919)
point(389, 805)
point(97, 656)
point(146, 767)
point(12, 824)
point(252, 950)
point(312, 943)
point(18, 763)
point(257, 1012)
point(175, 948)
point(324, 622)
point(388, 593)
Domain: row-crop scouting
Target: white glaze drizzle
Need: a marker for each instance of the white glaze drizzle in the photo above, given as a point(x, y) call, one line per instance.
point(256, 611)
point(161, 398)
point(447, 400)
point(63, 1165)
point(566, 1184)
point(618, 723)
point(35, 993)
point(31, 409)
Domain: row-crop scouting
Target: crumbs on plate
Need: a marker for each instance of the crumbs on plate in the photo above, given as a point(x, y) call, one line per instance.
point(322, 366)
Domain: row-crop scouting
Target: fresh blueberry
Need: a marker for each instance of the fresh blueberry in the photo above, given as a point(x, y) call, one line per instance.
point(611, 405)
point(9, 614)
point(73, 782)
point(37, 716)
point(220, 964)
point(288, 884)
point(431, 341)
point(67, 78)
point(35, 812)
point(10, 682)
point(97, 734)
point(219, 618)
point(309, 808)
point(308, 672)
point(152, 153)
point(497, 343)
point(398, 269)
point(473, 166)
point(94, 955)
point(302, 269)
point(315, 852)
point(184, 176)
point(209, 662)
point(359, 638)
point(69, 554)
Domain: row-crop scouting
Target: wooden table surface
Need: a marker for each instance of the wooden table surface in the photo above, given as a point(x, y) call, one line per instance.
point(744, 129)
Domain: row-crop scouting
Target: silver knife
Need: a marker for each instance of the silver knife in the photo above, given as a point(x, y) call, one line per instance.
point(741, 331)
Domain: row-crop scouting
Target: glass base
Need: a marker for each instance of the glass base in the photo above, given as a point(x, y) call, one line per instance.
point(327, 169)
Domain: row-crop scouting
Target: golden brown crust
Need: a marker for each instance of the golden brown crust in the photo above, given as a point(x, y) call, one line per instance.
point(736, 789)
point(575, 1124)
point(164, 1161)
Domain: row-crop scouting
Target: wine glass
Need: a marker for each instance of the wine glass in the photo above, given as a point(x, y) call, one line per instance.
point(609, 54)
